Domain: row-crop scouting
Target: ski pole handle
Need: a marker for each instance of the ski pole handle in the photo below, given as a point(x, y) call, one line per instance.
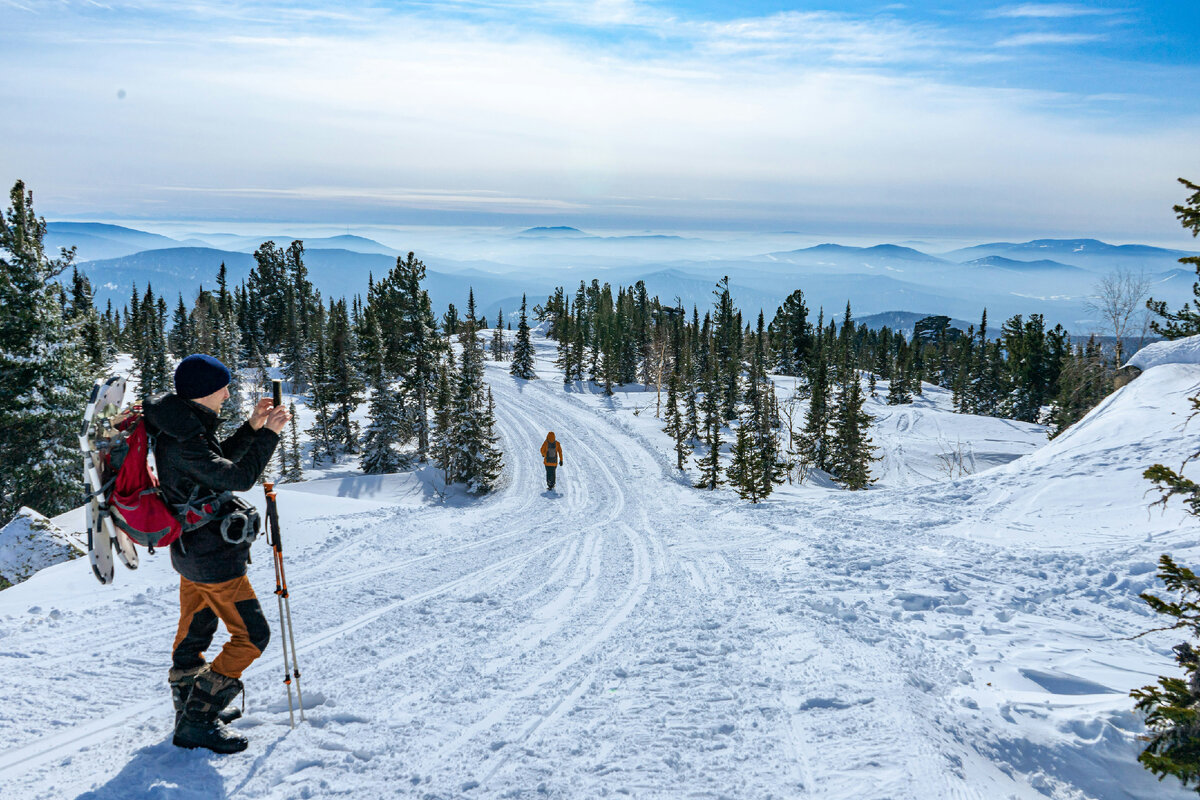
point(272, 517)
point(277, 391)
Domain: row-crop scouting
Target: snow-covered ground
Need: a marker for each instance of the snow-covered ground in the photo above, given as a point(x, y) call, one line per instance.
point(631, 636)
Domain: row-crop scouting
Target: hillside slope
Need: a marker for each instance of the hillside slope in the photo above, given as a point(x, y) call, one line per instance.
point(631, 635)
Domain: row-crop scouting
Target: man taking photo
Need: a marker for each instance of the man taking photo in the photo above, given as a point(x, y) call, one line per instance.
point(198, 474)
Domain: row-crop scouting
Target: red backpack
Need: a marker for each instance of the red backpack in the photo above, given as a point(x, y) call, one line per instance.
point(135, 499)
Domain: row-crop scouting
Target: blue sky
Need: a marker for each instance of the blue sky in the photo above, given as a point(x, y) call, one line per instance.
point(965, 119)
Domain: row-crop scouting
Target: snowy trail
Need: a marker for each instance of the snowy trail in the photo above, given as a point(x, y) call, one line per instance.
point(627, 635)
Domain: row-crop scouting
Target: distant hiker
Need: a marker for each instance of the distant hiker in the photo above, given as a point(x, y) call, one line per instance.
point(551, 457)
point(195, 468)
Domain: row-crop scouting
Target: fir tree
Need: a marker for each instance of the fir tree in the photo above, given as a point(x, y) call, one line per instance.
point(321, 391)
point(292, 471)
point(411, 345)
point(726, 348)
point(850, 448)
point(498, 348)
point(710, 463)
point(815, 439)
point(150, 347)
point(792, 336)
point(522, 361)
point(1185, 321)
point(692, 413)
point(490, 459)
point(450, 321)
point(744, 467)
point(346, 385)
point(443, 418)
point(83, 317)
point(476, 457)
point(771, 467)
point(389, 426)
point(43, 380)
point(676, 425)
point(1172, 707)
point(180, 339)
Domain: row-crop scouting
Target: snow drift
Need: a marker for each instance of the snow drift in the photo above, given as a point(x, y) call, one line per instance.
point(1086, 485)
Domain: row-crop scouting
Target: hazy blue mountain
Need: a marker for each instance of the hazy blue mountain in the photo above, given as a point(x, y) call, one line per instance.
point(552, 232)
point(906, 321)
point(876, 279)
point(335, 273)
point(248, 244)
point(357, 244)
point(855, 254)
point(169, 271)
point(98, 240)
point(1044, 264)
point(1087, 253)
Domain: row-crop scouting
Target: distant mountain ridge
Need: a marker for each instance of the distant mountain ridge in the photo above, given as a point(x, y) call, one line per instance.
point(888, 250)
point(1045, 276)
point(1066, 250)
point(904, 321)
point(554, 231)
point(1001, 262)
point(100, 240)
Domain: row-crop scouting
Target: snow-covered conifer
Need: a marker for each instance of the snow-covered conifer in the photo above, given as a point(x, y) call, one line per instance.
point(522, 360)
point(710, 463)
point(498, 347)
point(43, 379)
point(389, 426)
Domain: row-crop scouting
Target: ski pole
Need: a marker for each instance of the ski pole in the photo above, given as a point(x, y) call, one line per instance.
point(285, 607)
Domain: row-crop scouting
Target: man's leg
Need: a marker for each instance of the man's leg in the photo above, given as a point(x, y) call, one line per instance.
point(214, 688)
point(197, 625)
point(550, 476)
point(238, 607)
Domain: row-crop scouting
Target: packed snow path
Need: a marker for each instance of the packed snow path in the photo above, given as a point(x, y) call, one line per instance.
point(628, 635)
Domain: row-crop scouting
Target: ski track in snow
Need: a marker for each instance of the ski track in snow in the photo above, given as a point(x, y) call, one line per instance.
point(626, 635)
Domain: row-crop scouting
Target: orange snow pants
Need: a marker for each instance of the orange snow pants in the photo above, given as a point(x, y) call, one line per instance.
point(233, 602)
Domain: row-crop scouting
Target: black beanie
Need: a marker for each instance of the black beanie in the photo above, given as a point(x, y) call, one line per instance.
point(199, 375)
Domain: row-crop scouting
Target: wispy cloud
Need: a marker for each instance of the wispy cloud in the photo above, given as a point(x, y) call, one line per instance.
point(558, 108)
point(811, 36)
point(1034, 39)
point(448, 200)
point(1050, 11)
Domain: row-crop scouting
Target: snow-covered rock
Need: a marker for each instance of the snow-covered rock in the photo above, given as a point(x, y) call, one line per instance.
point(1179, 351)
point(31, 542)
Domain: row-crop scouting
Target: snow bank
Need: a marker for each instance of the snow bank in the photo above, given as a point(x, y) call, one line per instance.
point(1180, 351)
point(926, 441)
point(30, 543)
point(1086, 486)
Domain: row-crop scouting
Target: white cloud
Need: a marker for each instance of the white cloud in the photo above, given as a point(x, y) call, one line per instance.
point(1050, 11)
point(1033, 39)
point(475, 200)
point(781, 117)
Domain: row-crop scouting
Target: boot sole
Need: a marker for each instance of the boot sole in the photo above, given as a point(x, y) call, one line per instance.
point(175, 740)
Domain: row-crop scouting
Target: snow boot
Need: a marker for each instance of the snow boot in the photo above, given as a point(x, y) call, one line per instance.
point(199, 727)
point(181, 681)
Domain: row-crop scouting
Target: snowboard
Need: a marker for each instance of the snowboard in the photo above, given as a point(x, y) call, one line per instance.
point(102, 533)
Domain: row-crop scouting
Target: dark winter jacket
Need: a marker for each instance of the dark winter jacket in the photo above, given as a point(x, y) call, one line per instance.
point(190, 458)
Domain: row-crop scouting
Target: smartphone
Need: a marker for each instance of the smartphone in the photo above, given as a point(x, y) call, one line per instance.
point(277, 391)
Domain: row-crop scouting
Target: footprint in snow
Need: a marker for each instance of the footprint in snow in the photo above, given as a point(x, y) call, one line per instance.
point(836, 703)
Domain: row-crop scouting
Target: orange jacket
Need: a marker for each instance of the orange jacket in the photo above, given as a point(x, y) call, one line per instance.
point(547, 453)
